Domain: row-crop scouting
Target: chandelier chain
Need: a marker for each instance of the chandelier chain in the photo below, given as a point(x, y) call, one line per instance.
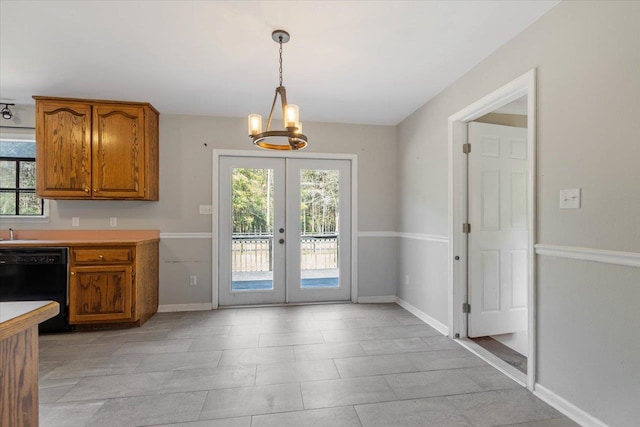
point(280, 69)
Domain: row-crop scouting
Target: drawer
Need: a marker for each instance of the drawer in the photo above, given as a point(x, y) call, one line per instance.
point(102, 255)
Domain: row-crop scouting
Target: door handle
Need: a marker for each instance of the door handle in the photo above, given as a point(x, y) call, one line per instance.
point(281, 241)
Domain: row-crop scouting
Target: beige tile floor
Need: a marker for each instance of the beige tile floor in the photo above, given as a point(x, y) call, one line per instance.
point(319, 365)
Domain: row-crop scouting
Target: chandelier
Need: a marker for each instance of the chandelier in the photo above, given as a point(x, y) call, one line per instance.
point(289, 139)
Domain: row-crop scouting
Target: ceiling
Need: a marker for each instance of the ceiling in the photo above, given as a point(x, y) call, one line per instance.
point(368, 62)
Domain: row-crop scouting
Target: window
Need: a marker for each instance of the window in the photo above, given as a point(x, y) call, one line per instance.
point(18, 180)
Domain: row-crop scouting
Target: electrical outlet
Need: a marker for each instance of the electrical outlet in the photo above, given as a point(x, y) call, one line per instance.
point(206, 210)
point(113, 221)
point(193, 280)
point(75, 221)
point(570, 198)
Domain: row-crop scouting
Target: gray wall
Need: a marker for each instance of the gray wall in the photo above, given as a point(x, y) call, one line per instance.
point(186, 182)
point(588, 59)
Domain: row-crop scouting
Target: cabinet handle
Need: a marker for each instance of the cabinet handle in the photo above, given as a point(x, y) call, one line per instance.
point(73, 273)
point(86, 189)
point(101, 256)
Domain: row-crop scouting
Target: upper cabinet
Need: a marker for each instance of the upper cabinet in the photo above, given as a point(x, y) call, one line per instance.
point(88, 149)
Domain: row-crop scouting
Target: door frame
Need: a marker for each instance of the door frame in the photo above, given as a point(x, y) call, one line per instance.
point(217, 153)
point(457, 278)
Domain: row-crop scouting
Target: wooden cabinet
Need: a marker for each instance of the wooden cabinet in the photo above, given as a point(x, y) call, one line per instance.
point(113, 284)
point(88, 149)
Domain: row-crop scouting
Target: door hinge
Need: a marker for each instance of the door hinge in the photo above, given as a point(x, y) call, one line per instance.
point(466, 228)
point(466, 307)
point(466, 148)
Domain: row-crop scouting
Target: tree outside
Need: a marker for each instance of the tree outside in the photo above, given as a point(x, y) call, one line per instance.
point(253, 201)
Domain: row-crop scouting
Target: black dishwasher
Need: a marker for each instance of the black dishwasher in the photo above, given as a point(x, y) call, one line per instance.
point(35, 274)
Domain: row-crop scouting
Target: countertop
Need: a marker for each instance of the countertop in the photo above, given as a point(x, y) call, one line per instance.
point(17, 316)
point(39, 238)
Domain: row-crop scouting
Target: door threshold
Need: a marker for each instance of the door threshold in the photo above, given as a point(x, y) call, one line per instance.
point(286, 304)
point(493, 360)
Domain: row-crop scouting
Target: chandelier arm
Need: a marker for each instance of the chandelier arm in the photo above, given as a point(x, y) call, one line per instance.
point(273, 105)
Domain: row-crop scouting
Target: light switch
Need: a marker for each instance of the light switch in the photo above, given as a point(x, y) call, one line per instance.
point(570, 198)
point(206, 210)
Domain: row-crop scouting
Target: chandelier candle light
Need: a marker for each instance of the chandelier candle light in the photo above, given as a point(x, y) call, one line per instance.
point(290, 115)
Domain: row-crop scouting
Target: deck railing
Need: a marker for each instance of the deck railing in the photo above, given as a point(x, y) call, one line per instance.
point(255, 252)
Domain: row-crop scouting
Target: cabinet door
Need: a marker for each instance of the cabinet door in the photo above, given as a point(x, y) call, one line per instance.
point(100, 294)
point(63, 140)
point(118, 148)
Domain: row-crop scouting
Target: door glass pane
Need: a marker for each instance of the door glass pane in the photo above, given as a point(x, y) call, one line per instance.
point(252, 234)
point(319, 221)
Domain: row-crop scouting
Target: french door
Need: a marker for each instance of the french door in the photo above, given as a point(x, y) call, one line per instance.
point(284, 230)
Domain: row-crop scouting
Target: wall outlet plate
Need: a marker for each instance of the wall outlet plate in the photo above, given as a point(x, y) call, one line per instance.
point(113, 221)
point(570, 198)
point(206, 210)
point(75, 221)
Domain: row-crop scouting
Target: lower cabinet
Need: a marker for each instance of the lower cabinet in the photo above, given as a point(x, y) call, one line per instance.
point(110, 285)
point(101, 293)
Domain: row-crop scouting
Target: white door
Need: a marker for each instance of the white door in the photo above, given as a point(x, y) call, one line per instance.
point(251, 258)
point(284, 230)
point(498, 241)
point(318, 230)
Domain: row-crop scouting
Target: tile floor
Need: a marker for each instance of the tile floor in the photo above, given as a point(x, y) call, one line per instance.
point(323, 365)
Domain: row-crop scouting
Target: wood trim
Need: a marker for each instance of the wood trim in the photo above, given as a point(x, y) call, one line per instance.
point(630, 259)
point(28, 319)
point(101, 101)
point(146, 281)
point(425, 237)
point(384, 299)
point(170, 308)
point(151, 152)
point(435, 324)
point(186, 235)
point(567, 408)
point(377, 234)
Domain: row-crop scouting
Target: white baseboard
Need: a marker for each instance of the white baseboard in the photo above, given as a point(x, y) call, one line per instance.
point(168, 308)
point(567, 408)
point(377, 300)
point(437, 325)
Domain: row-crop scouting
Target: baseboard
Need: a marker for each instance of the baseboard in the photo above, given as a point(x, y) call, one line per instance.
point(567, 408)
point(435, 324)
point(377, 300)
point(168, 308)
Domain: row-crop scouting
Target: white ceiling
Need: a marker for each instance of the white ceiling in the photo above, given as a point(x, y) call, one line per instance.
point(370, 62)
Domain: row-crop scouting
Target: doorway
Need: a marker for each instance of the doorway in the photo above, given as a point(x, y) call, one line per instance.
point(474, 310)
point(284, 230)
